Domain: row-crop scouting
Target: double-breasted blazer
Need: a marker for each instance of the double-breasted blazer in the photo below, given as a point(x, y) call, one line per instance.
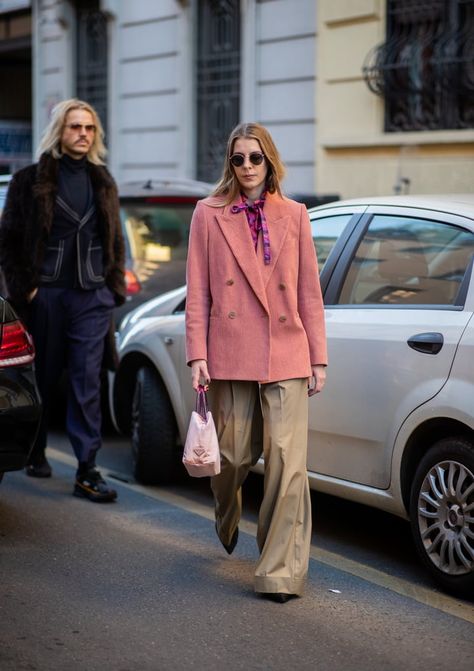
point(248, 320)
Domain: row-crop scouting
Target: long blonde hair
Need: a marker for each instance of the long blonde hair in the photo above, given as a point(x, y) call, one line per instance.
point(51, 140)
point(228, 185)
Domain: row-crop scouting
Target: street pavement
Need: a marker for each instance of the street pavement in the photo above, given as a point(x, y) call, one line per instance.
point(144, 585)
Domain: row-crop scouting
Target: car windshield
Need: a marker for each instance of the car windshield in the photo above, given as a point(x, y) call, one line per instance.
point(156, 238)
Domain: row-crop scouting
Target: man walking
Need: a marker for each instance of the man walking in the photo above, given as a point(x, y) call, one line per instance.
point(62, 258)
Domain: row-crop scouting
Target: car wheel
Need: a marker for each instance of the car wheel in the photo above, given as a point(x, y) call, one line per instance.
point(153, 430)
point(442, 514)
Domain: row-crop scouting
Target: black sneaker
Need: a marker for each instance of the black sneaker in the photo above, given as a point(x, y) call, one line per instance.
point(91, 485)
point(39, 468)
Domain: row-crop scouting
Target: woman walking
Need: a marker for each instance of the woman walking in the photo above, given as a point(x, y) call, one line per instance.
point(255, 327)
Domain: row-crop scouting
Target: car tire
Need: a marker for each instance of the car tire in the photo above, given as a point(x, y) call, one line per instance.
point(153, 430)
point(442, 514)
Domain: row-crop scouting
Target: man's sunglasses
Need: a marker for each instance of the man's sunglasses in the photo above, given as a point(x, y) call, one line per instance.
point(255, 158)
point(89, 128)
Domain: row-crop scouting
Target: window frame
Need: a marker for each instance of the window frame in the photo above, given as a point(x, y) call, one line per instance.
point(357, 212)
point(422, 69)
point(346, 256)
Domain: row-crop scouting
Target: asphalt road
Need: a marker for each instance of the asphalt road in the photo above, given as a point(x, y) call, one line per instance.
point(143, 584)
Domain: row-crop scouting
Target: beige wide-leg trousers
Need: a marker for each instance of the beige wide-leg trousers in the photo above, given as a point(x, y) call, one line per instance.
point(244, 413)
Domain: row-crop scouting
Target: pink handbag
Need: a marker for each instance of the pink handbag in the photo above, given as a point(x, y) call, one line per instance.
point(201, 455)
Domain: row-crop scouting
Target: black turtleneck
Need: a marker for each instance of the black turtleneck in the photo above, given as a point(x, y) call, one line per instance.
point(74, 185)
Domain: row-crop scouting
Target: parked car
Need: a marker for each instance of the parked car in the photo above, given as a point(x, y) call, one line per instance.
point(20, 403)
point(394, 426)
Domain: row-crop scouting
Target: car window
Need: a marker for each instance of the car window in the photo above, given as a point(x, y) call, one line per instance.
point(325, 231)
point(157, 232)
point(181, 307)
point(156, 239)
point(404, 260)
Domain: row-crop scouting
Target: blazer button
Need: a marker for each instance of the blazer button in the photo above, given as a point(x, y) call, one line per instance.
point(232, 315)
point(282, 318)
point(230, 282)
point(282, 286)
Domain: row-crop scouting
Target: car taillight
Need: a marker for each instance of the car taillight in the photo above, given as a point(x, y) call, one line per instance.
point(132, 283)
point(16, 345)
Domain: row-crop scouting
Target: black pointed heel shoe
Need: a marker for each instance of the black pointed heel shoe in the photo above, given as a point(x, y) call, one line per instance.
point(278, 597)
point(231, 547)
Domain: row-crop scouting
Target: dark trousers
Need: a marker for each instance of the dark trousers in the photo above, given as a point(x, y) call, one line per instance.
point(68, 328)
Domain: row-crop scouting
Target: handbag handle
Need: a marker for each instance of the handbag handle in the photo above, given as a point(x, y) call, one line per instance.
point(201, 402)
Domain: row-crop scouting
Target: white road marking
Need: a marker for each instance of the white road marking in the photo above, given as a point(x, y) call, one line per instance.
point(419, 593)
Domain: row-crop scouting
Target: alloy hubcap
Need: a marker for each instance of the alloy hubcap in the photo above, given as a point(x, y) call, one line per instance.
point(455, 517)
point(446, 517)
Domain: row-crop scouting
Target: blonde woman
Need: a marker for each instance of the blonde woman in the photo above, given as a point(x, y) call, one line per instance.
point(62, 258)
point(255, 332)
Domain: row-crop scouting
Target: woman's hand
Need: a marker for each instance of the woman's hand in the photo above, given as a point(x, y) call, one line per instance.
point(316, 382)
point(200, 374)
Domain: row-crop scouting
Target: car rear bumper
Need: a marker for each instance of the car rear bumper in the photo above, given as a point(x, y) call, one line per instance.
point(20, 413)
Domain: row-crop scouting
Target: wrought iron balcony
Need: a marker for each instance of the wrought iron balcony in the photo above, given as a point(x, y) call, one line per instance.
point(425, 68)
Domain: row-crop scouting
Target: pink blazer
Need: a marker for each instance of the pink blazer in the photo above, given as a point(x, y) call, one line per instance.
point(248, 320)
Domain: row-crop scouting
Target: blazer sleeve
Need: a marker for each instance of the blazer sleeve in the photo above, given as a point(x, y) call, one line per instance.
point(198, 299)
point(310, 300)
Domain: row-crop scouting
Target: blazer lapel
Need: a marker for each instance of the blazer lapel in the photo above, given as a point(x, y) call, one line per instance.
point(236, 231)
point(278, 223)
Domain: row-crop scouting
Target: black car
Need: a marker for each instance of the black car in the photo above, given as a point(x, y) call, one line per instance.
point(20, 402)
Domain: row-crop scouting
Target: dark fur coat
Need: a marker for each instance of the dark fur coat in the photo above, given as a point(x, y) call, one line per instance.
point(25, 226)
point(26, 223)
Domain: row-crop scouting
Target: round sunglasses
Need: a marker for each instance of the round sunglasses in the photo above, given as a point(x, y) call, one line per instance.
point(255, 158)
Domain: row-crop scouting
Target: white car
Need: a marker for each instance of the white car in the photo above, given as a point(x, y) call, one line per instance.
point(394, 426)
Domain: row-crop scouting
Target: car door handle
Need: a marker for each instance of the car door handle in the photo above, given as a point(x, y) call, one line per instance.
point(427, 343)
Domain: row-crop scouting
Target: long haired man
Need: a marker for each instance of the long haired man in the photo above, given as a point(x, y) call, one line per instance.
point(62, 260)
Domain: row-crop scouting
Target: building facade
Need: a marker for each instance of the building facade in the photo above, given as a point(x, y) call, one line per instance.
point(15, 84)
point(171, 78)
point(363, 97)
point(395, 96)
